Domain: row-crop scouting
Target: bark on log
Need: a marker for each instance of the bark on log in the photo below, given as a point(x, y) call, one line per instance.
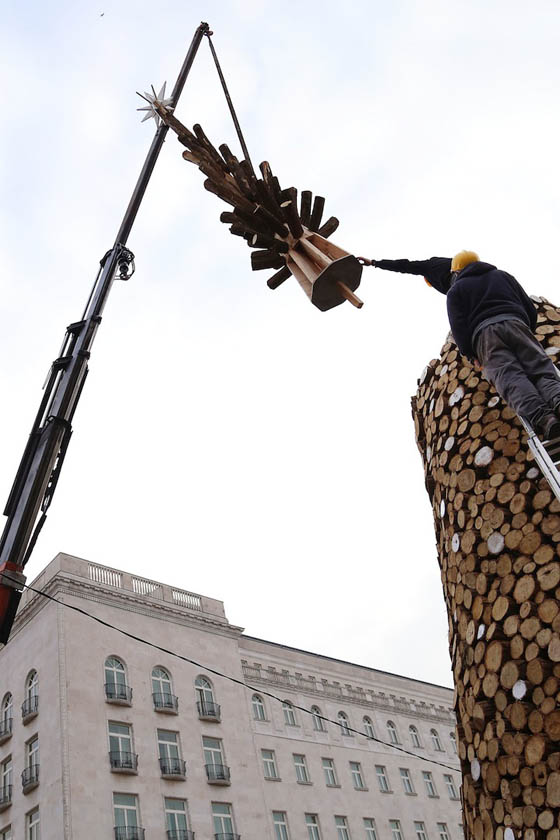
point(498, 536)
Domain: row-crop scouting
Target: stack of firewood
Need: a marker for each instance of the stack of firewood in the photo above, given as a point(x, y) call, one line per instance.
point(498, 535)
point(268, 217)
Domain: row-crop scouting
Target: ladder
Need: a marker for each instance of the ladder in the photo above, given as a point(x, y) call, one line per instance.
point(547, 456)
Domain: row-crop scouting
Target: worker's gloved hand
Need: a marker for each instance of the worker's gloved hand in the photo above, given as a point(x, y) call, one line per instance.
point(365, 261)
point(477, 365)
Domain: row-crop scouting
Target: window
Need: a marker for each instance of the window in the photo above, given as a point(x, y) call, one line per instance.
point(382, 778)
point(312, 823)
point(429, 782)
point(30, 775)
point(318, 722)
point(280, 825)
point(30, 705)
point(435, 740)
point(414, 736)
point(269, 764)
point(32, 825)
point(162, 691)
point(6, 781)
point(396, 833)
point(206, 702)
point(406, 780)
point(393, 734)
point(453, 740)
point(125, 810)
point(443, 832)
point(368, 727)
point(342, 832)
point(289, 714)
point(176, 822)
point(343, 721)
point(6, 833)
point(259, 712)
point(300, 764)
point(214, 760)
point(222, 818)
point(170, 761)
point(116, 687)
point(369, 828)
point(451, 789)
point(330, 772)
point(357, 775)
point(420, 830)
point(6, 716)
point(121, 754)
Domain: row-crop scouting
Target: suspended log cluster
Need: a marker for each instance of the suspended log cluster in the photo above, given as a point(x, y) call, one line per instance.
point(286, 234)
point(498, 535)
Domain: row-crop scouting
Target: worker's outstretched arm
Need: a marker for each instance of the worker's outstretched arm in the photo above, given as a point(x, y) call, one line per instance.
point(436, 270)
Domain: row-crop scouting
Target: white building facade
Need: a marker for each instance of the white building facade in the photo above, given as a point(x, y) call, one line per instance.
point(105, 737)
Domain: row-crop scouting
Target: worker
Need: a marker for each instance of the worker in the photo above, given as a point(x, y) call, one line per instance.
point(492, 320)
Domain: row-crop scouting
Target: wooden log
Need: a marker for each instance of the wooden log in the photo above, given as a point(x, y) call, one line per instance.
point(329, 227)
point(305, 208)
point(266, 259)
point(260, 240)
point(278, 278)
point(289, 210)
point(316, 213)
point(273, 223)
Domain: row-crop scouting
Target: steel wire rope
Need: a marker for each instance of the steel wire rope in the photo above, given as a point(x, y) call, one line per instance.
point(217, 673)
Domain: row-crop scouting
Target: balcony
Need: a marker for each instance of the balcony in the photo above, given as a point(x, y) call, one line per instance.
point(173, 768)
point(179, 834)
point(30, 778)
point(121, 695)
point(229, 835)
point(166, 703)
point(217, 774)
point(129, 832)
point(123, 762)
point(5, 729)
point(30, 708)
point(5, 797)
point(208, 711)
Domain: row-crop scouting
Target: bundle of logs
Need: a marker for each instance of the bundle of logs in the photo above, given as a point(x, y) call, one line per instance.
point(285, 236)
point(498, 535)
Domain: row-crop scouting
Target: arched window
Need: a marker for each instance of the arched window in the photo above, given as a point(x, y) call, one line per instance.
point(259, 711)
point(6, 716)
point(206, 704)
point(435, 740)
point(289, 713)
point(414, 736)
point(343, 721)
point(30, 705)
point(318, 722)
point(453, 742)
point(116, 687)
point(162, 691)
point(368, 727)
point(393, 734)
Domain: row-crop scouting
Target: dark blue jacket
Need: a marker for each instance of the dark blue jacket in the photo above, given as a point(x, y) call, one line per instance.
point(436, 270)
point(482, 291)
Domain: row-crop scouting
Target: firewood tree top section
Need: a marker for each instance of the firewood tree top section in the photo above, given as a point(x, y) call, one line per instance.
point(286, 235)
point(497, 526)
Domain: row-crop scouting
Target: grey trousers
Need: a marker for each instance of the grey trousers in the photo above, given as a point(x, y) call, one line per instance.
point(521, 372)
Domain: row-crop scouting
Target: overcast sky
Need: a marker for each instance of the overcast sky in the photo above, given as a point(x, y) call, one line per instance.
point(231, 440)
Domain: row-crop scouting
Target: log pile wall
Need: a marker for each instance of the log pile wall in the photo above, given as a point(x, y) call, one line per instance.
point(497, 527)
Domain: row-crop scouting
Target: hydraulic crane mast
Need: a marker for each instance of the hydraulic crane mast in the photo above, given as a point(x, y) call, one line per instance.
point(40, 466)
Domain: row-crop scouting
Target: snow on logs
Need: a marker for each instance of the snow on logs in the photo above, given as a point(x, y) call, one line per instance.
point(498, 535)
point(285, 236)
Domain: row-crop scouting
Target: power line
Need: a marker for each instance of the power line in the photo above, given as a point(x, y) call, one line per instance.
point(343, 726)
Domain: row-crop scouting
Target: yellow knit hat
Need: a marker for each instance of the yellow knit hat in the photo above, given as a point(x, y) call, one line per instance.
point(462, 259)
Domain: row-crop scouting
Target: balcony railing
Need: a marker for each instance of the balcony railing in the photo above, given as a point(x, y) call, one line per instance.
point(179, 834)
point(229, 835)
point(5, 729)
point(129, 832)
point(208, 710)
point(174, 768)
point(30, 708)
point(125, 762)
point(30, 777)
point(117, 693)
point(164, 702)
point(5, 797)
point(218, 774)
